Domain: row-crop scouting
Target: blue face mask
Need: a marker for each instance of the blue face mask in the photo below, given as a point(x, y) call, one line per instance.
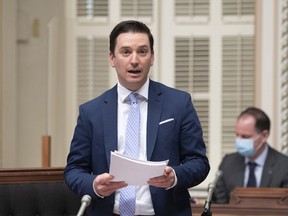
point(245, 147)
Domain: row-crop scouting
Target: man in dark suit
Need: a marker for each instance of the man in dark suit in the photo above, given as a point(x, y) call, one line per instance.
point(270, 168)
point(170, 129)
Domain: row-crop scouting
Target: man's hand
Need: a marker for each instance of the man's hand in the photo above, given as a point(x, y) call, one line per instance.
point(165, 181)
point(104, 185)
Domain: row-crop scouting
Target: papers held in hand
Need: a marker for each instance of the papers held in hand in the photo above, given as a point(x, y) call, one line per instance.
point(133, 171)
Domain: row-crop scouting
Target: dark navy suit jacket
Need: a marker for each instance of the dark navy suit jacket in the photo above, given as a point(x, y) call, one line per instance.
point(275, 174)
point(180, 141)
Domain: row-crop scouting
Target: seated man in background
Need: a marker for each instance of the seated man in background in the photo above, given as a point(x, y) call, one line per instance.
point(255, 164)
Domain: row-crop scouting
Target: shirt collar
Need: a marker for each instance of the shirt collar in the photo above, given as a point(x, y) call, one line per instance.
point(124, 92)
point(260, 160)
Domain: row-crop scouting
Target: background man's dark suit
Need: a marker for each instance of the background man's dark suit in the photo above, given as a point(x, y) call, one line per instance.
point(275, 174)
point(179, 140)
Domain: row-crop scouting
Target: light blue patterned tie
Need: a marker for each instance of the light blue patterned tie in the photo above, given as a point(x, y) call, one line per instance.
point(132, 143)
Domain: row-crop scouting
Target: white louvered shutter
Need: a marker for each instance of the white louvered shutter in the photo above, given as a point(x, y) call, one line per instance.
point(238, 7)
point(136, 8)
point(93, 67)
point(238, 84)
point(284, 77)
point(192, 8)
point(192, 75)
point(191, 11)
point(238, 70)
point(92, 8)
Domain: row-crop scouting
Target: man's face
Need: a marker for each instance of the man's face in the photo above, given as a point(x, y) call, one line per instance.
point(132, 59)
point(245, 129)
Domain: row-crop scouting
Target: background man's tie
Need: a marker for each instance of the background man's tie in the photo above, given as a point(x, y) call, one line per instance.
point(132, 142)
point(252, 179)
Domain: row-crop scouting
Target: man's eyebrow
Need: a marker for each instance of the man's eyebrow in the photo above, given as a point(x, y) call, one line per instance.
point(128, 47)
point(124, 47)
point(144, 46)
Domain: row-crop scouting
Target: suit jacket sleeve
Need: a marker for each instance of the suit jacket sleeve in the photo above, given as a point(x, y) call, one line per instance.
point(194, 163)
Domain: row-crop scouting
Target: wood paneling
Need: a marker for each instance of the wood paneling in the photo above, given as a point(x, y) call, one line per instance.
point(31, 175)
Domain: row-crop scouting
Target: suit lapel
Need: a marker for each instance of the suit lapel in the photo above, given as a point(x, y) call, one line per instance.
point(110, 122)
point(155, 102)
point(268, 169)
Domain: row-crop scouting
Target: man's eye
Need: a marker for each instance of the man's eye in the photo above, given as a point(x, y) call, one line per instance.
point(143, 51)
point(125, 52)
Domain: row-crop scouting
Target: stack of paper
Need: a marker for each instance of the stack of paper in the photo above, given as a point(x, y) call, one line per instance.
point(134, 172)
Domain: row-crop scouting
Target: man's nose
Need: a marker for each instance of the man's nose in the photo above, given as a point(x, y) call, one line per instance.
point(134, 59)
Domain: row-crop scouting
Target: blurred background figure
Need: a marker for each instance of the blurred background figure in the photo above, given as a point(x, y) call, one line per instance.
point(255, 164)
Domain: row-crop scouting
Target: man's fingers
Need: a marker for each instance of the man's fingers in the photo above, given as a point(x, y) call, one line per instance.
point(164, 181)
point(168, 170)
point(104, 184)
point(103, 178)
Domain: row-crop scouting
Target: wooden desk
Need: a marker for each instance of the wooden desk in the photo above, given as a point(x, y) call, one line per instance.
point(233, 210)
point(251, 202)
point(30, 175)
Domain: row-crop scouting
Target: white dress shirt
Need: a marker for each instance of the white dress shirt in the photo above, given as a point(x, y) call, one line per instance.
point(260, 161)
point(144, 205)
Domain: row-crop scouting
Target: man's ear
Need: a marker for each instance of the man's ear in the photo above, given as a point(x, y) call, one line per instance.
point(111, 59)
point(152, 59)
point(265, 134)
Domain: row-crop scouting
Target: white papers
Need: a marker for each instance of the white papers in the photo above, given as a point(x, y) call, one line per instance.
point(134, 172)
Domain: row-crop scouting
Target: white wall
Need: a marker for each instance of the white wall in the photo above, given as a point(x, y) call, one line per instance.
point(33, 80)
point(9, 85)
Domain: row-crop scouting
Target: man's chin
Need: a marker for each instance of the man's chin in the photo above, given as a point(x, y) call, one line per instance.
point(134, 84)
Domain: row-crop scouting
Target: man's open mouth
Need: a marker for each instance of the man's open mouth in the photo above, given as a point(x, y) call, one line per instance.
point(134, 71)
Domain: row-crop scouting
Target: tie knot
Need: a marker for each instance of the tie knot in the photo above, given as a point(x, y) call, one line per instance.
point(133, 97)
point(252, 165)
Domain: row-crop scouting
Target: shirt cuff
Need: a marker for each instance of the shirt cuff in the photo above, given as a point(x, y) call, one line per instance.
point(97, 193)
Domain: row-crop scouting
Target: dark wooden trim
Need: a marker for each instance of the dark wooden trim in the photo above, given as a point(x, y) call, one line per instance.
point(31, 175)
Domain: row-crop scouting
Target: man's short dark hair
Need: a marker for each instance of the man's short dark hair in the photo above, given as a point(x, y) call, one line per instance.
point(129, 26)
point(262, 121)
